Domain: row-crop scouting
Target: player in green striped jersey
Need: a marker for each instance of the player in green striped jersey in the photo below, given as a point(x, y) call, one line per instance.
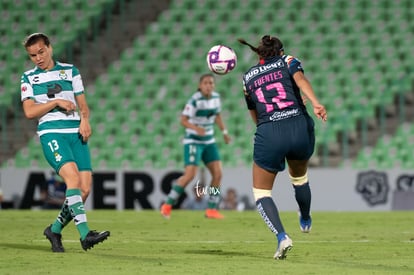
point(53, 93)
point(200, 114)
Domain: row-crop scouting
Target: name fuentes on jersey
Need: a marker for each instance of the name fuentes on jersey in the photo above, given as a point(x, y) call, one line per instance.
point(264, 68)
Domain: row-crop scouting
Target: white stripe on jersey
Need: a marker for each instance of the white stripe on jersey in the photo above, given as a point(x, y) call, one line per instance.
point(35, 85)
point(64, 131)
point(202, 112)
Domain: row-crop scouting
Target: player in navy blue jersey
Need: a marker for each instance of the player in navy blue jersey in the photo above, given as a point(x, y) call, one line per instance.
point(285, 132)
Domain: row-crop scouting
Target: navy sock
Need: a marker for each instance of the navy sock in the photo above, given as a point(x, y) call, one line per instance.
point(303, 197)
point(268, 210)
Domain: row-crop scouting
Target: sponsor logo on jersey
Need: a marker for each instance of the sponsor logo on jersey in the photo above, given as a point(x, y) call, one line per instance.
point(284, 114)
point(53, 89)
point(264, 68)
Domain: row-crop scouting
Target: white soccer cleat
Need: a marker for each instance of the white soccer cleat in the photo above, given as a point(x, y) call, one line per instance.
point(305, 225)
point(283, 247)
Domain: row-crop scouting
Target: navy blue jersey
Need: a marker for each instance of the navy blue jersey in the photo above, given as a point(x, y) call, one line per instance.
point(270, 89)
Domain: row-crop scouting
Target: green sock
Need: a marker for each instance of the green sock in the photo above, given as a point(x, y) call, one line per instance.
point(77, 210)
point(174, 194)
point(214, 199)
point(62, 219)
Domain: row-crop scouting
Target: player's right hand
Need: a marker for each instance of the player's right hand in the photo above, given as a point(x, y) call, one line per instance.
point(201, 131)
point(66, 105)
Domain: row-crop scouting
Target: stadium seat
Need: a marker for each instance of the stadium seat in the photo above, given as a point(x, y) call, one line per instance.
point(341, 47)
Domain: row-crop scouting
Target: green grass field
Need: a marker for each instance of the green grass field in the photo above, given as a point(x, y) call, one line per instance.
point(142, 242)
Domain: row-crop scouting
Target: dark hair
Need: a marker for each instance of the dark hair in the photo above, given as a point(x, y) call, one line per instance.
point(269, 46)
point(202, 78)
point(34, 38)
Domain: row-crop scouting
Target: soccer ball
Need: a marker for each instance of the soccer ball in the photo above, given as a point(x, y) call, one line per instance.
point(221, 59)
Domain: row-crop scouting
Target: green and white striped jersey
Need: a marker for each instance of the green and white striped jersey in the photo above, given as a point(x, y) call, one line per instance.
point(62, 82)
point(202, 112)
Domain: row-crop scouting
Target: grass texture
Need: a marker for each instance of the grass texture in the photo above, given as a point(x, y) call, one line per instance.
point(142, 242)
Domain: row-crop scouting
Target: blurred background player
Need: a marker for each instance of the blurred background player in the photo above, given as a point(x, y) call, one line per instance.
point(231, 201)
point(285, 132)
point(54, 193)
point(52, 92)
point(197, 201)
point(200, 114)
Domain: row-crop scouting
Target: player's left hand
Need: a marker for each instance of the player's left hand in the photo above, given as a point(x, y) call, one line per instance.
point(227, 138)
point(85, 129)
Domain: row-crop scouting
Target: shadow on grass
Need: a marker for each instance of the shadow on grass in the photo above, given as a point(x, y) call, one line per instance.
point(218, 252)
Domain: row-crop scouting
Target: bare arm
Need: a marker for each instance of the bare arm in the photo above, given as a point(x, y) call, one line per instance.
point(253, 114)
point(84, 128)
point(251, 106)
point(305, 86)
point(33, 110)
point(187, 124)
point(222, 127)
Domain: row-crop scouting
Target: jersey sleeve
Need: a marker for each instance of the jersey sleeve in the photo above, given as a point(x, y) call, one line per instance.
point(219, 106)
point(26, 89)
point(77, 83)
point(294, 64)
point(249, 102)
point(189, 109)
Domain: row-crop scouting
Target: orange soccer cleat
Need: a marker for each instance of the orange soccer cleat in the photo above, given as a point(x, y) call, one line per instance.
point(166, 210)
point(213, 214)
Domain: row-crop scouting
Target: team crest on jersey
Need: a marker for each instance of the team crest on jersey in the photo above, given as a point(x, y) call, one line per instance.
point(58, 157)
point(62, 74)
point(289, 59)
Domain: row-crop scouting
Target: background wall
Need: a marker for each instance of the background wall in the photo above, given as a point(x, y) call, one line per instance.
point(333, 189)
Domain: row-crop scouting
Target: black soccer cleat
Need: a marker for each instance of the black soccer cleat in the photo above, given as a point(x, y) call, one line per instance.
point(55, 239)
point(93, 238)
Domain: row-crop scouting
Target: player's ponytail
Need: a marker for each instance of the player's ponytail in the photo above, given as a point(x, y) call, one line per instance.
point(244, 42)
point(269, 46)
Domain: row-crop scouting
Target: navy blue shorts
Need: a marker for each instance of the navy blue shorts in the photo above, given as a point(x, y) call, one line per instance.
point(292, 138)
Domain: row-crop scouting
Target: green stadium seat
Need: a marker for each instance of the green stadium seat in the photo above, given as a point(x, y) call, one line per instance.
point(174, 46)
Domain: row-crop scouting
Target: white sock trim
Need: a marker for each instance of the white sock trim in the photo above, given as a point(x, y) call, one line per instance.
point(74, 199)
point(261, 193)
point(81, 218)
point(297, 181)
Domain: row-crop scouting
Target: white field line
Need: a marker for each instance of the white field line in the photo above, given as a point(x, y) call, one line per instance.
point(229, 242)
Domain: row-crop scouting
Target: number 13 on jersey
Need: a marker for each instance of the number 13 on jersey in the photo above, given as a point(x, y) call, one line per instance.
point(279, 98)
